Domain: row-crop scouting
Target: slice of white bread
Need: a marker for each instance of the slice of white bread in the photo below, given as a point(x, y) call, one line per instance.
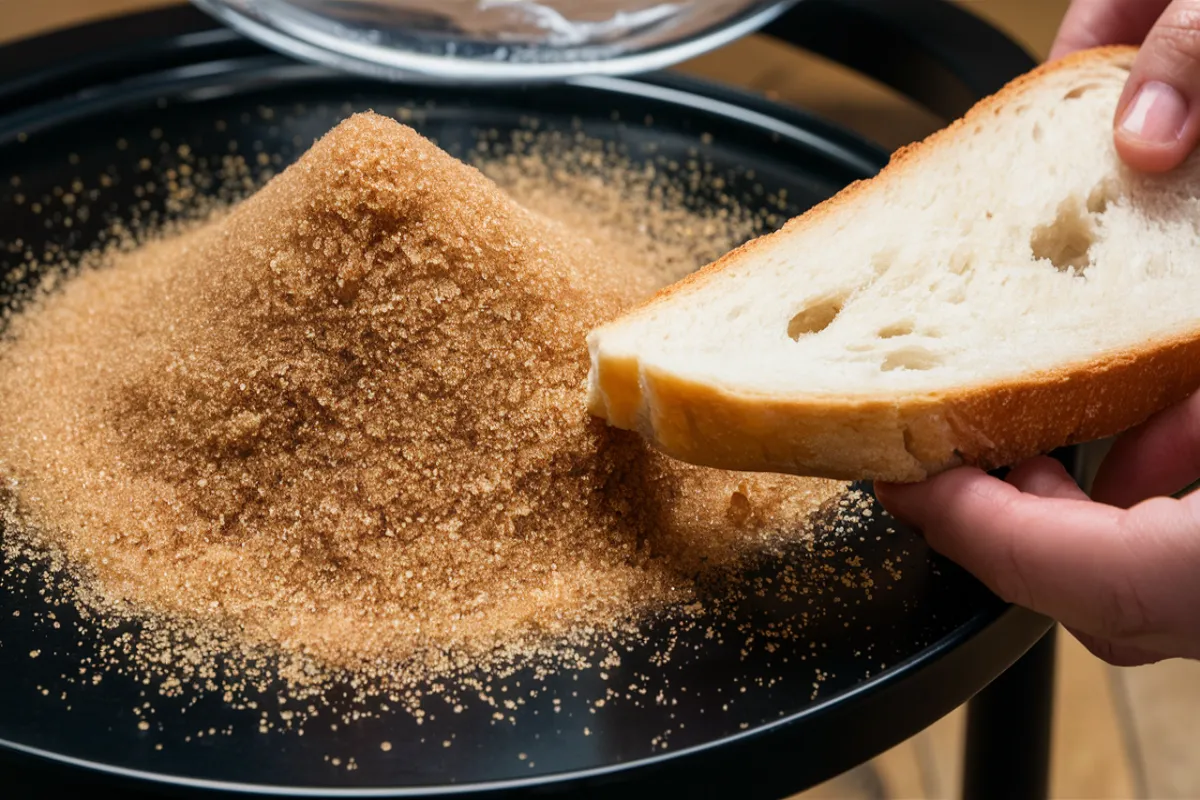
point(1002, 289)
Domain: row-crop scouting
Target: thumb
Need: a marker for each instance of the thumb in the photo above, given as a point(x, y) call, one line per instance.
point(1158, 116)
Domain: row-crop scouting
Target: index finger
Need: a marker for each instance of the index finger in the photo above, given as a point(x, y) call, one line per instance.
point(1091, 23)
point(1068, 559)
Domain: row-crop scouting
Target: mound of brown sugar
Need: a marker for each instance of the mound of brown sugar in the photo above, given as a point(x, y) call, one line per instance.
point(346, 418)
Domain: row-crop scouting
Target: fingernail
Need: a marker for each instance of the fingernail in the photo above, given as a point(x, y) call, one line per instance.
point(1156, 115)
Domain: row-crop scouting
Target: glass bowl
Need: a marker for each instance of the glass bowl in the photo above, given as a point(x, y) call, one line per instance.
point(493, 41)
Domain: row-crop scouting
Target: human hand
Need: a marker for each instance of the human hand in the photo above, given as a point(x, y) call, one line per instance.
point(1121, 571)
point(1158, 116)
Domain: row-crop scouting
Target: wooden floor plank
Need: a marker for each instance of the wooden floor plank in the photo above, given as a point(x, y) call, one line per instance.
point(863, 783)
point(1163, 702)
point(940, 748)
point(901, 773)
point(1090, 759)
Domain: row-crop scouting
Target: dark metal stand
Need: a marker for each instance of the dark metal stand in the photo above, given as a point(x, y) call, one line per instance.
point(1007, 752)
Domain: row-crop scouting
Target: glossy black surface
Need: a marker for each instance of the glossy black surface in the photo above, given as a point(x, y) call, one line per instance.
point(870, 668)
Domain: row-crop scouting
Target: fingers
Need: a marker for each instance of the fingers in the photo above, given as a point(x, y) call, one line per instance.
point(1158, 116)
point(1046, 477)
point(1091, 23)
point(1047, 554)
point(1116, 575)
point(1159, 457)
point(1157, 123)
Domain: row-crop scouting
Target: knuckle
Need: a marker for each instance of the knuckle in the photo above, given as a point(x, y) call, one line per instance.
point(1123, 610)
point(1012, 586)
point(1012, 579)
point(1176, 37)
point(1118, 655)
point(1123, 613)
point(1104, 650)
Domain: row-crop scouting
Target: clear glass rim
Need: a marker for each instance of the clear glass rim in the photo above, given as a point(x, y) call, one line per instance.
point(393, 63)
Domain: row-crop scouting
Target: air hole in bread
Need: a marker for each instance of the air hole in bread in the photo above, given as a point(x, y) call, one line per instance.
point(815, 318)
point(1156, 266)
point(911, 358)
point(1037, 132)
point(1080, 91)
point(897, 329)
point(1067, 241)
point(962, 261)
point(882, 261)
point(1101, 195)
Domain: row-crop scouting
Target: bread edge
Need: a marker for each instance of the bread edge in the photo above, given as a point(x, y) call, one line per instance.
point(908, 439)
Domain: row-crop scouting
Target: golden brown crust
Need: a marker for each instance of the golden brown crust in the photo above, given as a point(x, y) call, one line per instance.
point(897, 438)
point(910, 438)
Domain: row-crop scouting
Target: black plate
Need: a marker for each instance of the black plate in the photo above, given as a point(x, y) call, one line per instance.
point(872, 668)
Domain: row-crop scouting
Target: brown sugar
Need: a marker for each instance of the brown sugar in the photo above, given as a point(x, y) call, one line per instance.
point(345, 418)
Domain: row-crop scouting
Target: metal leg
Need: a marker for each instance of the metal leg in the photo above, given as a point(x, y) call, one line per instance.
point(1008, 730)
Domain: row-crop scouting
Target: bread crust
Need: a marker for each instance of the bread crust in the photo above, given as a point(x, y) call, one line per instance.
point(910, 438)
point(899, 438)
